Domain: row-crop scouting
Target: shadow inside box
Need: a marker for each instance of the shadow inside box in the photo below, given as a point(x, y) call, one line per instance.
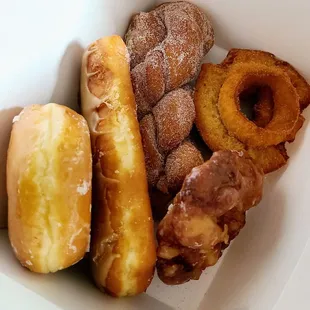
point(70, 289)
point(250, 252)
point(6, 118)
point(66, 90)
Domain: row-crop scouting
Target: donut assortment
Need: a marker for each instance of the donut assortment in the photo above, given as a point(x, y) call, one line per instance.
point(161, 138)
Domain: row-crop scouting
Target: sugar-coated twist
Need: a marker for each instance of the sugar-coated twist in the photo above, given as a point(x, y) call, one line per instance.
point(166, 46)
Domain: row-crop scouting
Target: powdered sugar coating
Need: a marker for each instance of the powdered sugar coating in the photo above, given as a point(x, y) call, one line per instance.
point(148, 82)
point(145, 32)
point(166, 46)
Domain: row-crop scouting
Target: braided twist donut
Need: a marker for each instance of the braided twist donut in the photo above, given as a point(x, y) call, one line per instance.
point(169, 155)
point(166, 47)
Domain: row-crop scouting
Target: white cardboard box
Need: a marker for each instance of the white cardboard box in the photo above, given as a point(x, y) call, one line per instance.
point(267, 266)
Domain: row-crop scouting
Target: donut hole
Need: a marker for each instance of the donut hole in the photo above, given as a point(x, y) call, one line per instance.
point(256, 104)
point(248, 98)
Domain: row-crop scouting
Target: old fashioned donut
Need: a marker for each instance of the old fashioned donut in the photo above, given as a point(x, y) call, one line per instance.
point(211, 127)
point(263, 112)
point(235, 56)
point(263, 108)
point(286, 104)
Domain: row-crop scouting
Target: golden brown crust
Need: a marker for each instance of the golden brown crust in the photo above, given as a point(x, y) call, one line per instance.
point(263, 109)
point(123, 246)
point(244, 55)
point(263, 113)
point(286, 104)
point(49, 187)
point(270, 158)
point(208, 120)
point(211, 127)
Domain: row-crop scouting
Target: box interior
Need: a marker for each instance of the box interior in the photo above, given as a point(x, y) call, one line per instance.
point(262, 267)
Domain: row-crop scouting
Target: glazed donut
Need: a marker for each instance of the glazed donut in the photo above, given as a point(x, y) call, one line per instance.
point(123, 245)
point(166, 46)
point(49, 174)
